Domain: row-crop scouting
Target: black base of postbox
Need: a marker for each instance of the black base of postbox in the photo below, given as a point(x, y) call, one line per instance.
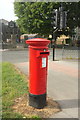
point(37, 101)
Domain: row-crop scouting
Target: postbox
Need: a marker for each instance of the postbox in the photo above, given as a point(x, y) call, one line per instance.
point(38, 64)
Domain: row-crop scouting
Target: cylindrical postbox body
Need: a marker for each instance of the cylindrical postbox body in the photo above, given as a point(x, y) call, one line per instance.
point(38, 56)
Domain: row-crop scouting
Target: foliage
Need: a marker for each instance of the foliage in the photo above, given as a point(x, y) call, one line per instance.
point(36, 118)
point(35, 17)
point(73, 14)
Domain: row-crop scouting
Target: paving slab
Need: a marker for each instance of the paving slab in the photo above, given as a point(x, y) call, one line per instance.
point(62, 86)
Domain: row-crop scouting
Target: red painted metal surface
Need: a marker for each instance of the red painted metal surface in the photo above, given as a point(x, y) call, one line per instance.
point(38, 56)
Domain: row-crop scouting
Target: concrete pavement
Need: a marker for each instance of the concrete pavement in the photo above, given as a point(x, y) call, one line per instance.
point(62, 85)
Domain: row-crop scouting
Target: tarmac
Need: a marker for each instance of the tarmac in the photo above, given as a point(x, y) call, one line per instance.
point(62, 85)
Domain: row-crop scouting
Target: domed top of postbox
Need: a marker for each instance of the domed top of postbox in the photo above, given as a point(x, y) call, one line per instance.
point(38, 42)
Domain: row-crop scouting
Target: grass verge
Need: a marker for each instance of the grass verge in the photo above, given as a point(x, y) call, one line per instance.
point(14, 85)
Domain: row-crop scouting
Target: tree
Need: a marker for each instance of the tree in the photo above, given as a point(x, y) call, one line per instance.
point(73, 14)
point(35, 17)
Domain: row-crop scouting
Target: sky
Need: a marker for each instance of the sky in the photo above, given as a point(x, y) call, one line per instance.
point(7, 10)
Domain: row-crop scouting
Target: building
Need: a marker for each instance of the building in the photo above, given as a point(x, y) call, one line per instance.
point(77, 33)
point(9, 31)
point(63, 39)
point(76, 36)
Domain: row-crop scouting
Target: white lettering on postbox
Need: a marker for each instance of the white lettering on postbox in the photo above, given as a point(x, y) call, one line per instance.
point(43, 62)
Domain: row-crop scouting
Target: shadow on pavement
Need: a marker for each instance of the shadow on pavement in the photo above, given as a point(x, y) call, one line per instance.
point(73, 103)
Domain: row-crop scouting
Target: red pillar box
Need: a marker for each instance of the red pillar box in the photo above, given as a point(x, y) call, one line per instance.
point(38, 55)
